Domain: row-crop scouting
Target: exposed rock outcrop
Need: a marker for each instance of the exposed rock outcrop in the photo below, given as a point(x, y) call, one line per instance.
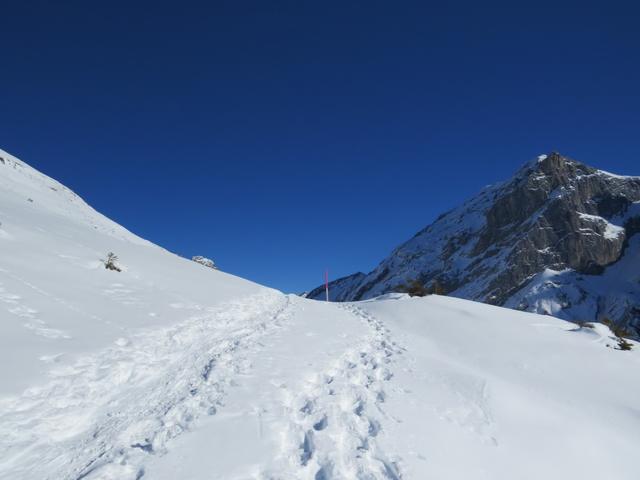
point(207, 262)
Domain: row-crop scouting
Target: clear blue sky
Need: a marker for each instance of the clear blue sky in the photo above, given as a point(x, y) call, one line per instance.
point(282, 137)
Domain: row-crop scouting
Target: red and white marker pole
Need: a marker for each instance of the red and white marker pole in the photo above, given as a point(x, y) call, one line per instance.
point(326, 283)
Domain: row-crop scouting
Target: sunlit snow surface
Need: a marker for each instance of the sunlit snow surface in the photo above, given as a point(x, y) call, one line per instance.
point(171, 370)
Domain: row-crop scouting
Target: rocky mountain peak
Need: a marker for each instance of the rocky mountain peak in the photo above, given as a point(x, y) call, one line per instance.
point(556, 165)
point(555, 214)
point(551, 170)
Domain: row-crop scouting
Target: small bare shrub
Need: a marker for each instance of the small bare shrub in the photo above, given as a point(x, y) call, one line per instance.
point(110, 262)
point(621, 334)
point(414, 288)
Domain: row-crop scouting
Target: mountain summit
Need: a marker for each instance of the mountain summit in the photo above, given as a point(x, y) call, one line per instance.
point(557, 238)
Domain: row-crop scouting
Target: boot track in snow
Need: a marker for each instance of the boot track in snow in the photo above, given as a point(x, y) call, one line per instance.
point(334, 422)
point(100, 417)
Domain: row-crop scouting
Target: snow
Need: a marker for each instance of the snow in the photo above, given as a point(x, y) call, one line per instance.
point(614, 175)
point(485, 392)
point(570, 295)
point(169, 370)
point(611, 231)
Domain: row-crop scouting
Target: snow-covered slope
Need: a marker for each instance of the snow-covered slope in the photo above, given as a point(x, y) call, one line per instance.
point(56, 294)
point(554, 214)
point(169, 370)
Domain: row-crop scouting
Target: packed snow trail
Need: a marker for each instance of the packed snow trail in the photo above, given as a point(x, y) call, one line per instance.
point(108, 415)
point(100, 417)
point(335, 418)
point(311, 408)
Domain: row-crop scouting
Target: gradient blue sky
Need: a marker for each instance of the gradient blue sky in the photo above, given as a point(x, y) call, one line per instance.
point(282, 137)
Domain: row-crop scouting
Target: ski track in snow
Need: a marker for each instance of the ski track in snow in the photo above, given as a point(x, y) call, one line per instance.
point(101, 417)
point(29, 316)
point(334, 421)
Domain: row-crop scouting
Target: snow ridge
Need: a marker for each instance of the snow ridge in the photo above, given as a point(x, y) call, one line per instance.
point(25, 182)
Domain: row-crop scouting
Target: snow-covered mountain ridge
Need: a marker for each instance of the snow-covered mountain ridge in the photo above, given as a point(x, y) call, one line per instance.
point(30, 185)
point(558, 238)
point(167, 370)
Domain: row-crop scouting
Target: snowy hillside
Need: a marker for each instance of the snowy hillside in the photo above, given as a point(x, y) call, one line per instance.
point(501, 246)
point(169, 370)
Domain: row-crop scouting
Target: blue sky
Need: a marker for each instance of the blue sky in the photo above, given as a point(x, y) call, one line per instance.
point(280, 138)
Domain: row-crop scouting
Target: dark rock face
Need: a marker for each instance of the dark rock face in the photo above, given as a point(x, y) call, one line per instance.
point(551, 218)
point(554, 214)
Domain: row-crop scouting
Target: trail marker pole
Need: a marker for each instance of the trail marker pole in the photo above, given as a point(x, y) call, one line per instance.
point(326, 283)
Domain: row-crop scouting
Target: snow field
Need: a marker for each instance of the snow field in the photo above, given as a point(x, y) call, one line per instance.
point(171, 370)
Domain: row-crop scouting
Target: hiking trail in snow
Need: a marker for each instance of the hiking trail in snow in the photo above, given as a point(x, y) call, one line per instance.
point(335, 419)
point(101, 416)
